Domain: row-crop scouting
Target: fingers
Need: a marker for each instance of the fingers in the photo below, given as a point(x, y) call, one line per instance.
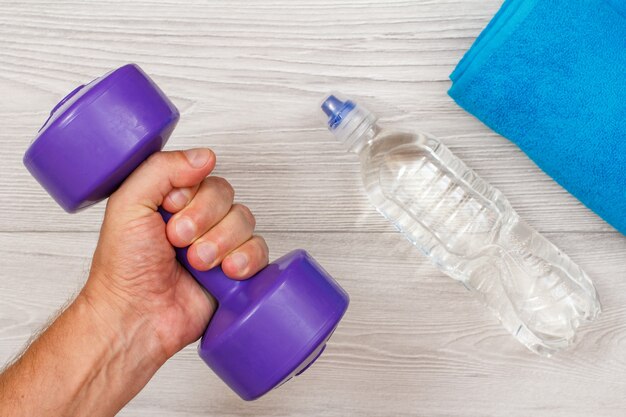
point(216, 230)
point(231, 232)
point(178, 198)
point(160, 174)
point(211, 203)
point(247, 259)
point(204, 215)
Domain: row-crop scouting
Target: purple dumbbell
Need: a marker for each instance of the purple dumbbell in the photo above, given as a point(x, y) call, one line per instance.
point(266, 329)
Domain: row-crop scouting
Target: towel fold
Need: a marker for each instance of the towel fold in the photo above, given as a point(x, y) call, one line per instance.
point(550, 75)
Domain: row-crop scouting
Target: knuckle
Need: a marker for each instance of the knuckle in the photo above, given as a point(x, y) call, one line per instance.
point(262, 245)
point(224, 186)
point(245, 212)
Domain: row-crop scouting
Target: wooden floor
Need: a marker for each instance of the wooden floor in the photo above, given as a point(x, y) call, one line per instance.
point(248, 77)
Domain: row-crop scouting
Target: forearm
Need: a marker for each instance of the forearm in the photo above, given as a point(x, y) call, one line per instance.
point(91, 361)
point(139, 306)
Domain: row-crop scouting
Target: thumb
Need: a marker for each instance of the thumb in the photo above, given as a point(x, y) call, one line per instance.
point(152, 181)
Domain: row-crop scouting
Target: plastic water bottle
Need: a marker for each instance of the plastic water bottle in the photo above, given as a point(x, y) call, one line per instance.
point(468, 229)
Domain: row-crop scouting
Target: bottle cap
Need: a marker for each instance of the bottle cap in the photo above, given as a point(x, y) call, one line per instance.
point(336, 110)
point(348, 121)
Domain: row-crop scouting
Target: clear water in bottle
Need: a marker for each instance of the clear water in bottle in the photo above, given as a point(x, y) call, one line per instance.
point(468, 229)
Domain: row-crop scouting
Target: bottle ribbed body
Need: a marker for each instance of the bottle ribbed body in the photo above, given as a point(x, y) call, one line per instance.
point(470, 231)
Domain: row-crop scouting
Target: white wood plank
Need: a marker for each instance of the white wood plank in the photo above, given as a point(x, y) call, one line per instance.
point(248, 78)
point(310, 183)
point(413, 342)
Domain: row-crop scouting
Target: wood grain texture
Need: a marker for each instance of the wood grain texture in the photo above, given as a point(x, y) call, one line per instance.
point(248, 78)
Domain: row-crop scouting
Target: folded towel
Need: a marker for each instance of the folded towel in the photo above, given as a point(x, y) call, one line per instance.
point(550, 75)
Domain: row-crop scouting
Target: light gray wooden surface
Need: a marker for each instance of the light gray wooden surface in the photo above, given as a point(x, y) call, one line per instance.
point(248, 77)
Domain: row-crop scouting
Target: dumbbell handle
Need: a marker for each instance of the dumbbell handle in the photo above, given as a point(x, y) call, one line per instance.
point(214, 280)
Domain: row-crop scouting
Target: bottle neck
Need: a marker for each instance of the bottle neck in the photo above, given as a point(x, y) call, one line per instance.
point(357, 129)
point(365, 139)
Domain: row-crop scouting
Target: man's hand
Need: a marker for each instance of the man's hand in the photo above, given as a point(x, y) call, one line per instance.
point(139, 306)
point(134, 266)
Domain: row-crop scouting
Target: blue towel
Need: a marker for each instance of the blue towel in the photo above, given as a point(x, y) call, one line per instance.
point(550, 75)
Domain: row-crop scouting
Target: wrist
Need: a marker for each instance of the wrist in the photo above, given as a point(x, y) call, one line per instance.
point(95, 349)
point(129, 334)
